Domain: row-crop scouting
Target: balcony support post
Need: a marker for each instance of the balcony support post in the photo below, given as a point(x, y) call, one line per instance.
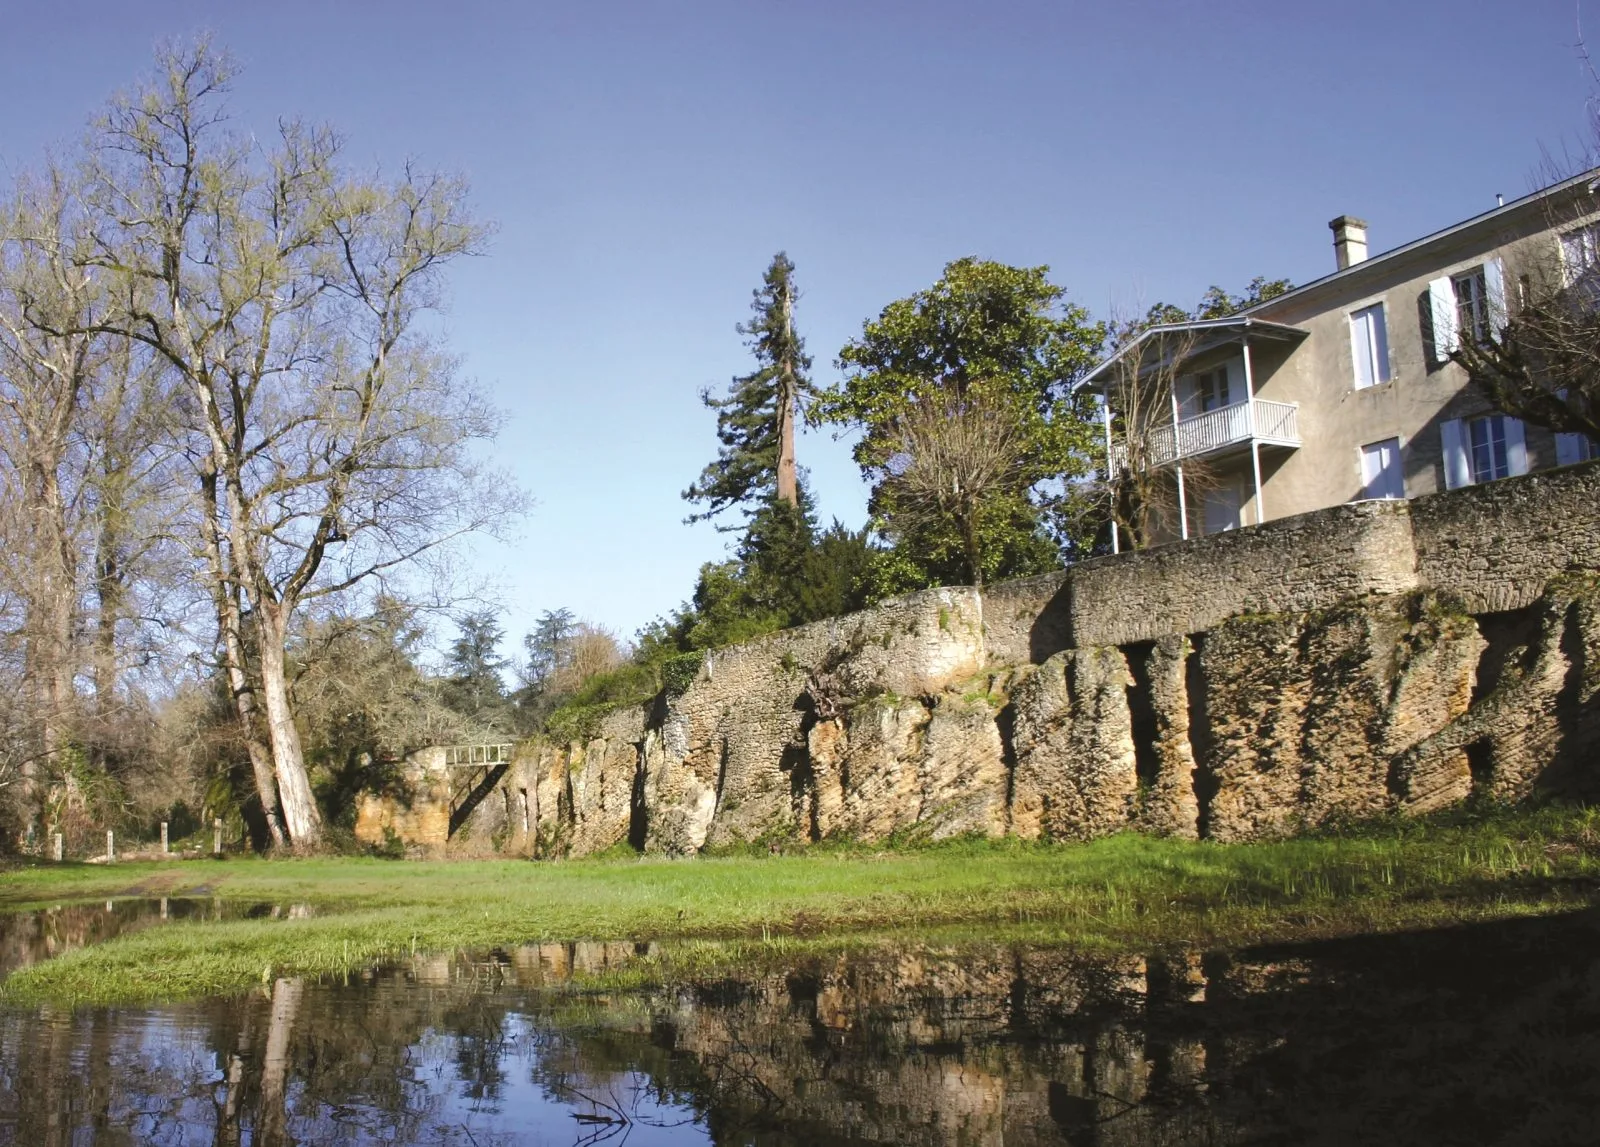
point(1111, 477)
point(1177, 452)
point(1250, 415)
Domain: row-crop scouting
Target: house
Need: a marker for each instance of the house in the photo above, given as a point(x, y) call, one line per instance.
point(1343, 389)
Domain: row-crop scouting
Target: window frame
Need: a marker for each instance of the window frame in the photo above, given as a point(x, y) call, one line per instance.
point(1589, 236)
point(1377, 350)
point(1473, 317)
point(1399, 468)
point(1208, 385)
point(1499, 465)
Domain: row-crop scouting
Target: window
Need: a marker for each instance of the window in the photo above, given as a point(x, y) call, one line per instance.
point(1580, 258)
point(1369, 344)
point(1574, 448)
point(1211, 389)
point(1580, 252)
point(1487, 444)
point(1223, 506)
point(1482, 449)
point(1472, 304)
point(1380, 470)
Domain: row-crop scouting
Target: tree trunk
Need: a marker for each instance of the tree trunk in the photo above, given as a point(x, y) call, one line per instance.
point(225, 598)
point(788, 486)
point(47, 661)
point(300, 813)
point(244, 701)
point(272, 1124)
point(971, 546)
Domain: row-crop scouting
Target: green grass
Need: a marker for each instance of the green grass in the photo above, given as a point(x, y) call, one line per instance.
point(1123, 892)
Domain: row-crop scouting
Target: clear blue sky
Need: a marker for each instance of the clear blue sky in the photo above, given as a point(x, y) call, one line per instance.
point(645, 160)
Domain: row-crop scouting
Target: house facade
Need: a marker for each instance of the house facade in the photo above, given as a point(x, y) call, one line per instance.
point(1343, 389)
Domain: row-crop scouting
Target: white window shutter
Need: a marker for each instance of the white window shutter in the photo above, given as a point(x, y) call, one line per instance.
point(1516, 447)
point(1494, 284)
point(1457, 473)
point(1361, 348)
point(1442, 301)
point(1380, 340)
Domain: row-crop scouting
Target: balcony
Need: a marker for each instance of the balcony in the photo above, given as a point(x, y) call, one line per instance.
point(1222, 431)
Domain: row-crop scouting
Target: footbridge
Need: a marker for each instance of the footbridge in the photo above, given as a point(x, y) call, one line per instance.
point(474, 771)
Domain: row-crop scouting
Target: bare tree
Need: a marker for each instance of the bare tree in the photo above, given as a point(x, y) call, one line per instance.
point(48, 368)
point(1543, 365)
point(586, 652)
point(1145, 444)
point(85, 450)
point(285, 295)
point(955, 452)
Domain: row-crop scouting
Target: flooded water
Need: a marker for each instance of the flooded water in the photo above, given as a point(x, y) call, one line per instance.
point(1482, 1035)
point(29, 937)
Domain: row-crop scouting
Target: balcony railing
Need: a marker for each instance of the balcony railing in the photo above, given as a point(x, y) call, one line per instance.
point(1275, 423)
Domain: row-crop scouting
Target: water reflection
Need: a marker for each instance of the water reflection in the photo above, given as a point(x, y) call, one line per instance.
point(26, 938)
point(1473, 1035)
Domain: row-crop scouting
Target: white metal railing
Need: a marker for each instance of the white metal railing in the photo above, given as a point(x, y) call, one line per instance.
point(1276, 422)
point(476, 756)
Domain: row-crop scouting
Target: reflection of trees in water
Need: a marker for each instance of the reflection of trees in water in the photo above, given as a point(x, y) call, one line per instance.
point(1485, 1034)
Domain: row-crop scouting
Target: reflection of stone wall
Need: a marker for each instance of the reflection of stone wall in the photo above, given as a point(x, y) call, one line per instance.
point(1340, 664)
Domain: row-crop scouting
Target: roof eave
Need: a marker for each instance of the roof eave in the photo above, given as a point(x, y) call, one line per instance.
point(1590, 177)
point(1244, 324)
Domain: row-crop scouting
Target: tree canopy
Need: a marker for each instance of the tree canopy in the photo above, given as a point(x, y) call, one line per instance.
point(985, 328)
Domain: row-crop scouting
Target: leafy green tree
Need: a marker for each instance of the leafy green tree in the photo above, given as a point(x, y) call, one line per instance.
point(985, 329)
point(1217, 303)
point(756, 421)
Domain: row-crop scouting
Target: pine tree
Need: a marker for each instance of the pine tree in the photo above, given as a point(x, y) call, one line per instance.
point(474, 685)
point(756, 421)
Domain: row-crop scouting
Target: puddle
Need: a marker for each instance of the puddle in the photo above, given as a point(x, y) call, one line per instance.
point(1484, 1034)
point(27, 938)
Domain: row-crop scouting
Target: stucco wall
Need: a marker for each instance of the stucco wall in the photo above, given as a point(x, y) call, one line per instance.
point(1337, 419)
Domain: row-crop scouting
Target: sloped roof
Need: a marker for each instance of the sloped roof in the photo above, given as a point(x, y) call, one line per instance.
point(1211, 332)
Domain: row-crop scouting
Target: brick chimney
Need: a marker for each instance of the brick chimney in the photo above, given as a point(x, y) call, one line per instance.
point(1349, 240)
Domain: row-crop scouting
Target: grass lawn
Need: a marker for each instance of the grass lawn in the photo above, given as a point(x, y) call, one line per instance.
point(1123, 892)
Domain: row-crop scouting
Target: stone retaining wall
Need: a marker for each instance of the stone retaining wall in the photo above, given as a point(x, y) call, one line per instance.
point(1333, 665)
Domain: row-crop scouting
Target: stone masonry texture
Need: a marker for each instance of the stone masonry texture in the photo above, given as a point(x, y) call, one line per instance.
point(1375, 657)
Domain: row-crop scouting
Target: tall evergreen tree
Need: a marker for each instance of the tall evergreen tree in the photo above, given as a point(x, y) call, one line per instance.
point(756, 421)
point(474, 685)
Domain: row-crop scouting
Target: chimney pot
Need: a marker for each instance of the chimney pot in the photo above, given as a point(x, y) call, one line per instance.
point(1349, 240)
